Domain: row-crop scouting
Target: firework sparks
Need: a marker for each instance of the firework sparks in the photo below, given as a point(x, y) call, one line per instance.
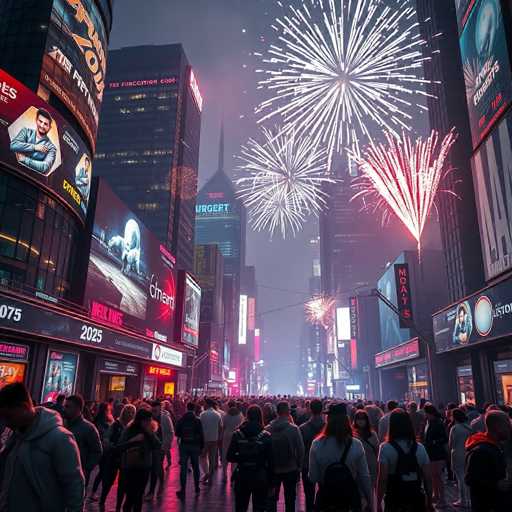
point(403, 177)
point(280, 181)
point(320, 310)
point(343, 67)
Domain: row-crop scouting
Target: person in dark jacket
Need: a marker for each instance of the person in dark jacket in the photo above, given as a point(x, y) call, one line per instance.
point(251, 450)
point(189, 432)
point(102, 422)
point(486, 469)
point(86, 434)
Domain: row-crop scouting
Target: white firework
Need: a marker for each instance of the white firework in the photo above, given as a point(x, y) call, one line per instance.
point(344, 67)
point(280, 180)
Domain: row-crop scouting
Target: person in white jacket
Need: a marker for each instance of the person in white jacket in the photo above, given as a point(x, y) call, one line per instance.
point(231, 421)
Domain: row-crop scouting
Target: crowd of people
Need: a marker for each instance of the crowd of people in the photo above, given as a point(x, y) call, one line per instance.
point(347, 456)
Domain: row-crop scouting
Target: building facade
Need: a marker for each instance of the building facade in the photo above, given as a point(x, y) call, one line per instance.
point(148, 143)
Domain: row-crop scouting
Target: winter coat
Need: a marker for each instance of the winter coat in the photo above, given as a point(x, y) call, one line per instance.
point(189, 421)
point(40, 469)
point(310, 430)
point(292, 432)
point(435, 440)
point(167, 430)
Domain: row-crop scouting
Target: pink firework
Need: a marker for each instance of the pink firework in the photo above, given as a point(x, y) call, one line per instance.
point(403, 177)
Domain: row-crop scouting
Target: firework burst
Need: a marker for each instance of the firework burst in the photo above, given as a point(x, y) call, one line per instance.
point(320, 310)
point(342, 67)
point(403, 177)
point(280, 181)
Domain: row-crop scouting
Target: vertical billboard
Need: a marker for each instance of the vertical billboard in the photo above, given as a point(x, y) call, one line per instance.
point(403, 294)
point(131, 278)
point(463, 9)
point(75, 60)
point(59, 375)
point(242, 321)
point(192, 310)
point(343, 324)
point(38, 143)
point(486, 64)
point(492, 178)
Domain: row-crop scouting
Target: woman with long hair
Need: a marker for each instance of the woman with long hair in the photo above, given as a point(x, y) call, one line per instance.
point(102, 422)
point(364, 432)
point(404, 479)
point(337, 464)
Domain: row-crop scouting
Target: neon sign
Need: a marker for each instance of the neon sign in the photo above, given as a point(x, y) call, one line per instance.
point(212, 208)
point(195, 90)
point(143, 83)
point(159, 371)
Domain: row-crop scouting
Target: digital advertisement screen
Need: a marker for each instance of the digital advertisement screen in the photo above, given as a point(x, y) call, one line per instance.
point(486, 64)
point(492, 175)
point(60, 375)
point(463, 9)
point(192, 305)
point(242, 321)
point(482, 317)
point(38, 143)
point(75, 60)
point(11, 373)
point(131, 278)
point(343, 324)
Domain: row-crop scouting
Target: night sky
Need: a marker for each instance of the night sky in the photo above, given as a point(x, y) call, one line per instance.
point(219, 37)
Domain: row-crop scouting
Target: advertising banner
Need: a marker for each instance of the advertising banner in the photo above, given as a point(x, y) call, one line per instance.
point(403, 294)
point(14, 352)
point(11, 373)
point(242, 321)
point(192, 310)
point(162, 354)
point(486, 64)
point(354, 318)
point(60, 375)
point(492, 178)
point(75, 60)
point(131, 277)
point(404, 352)
point(463, 9)
point(38, 143)
point(343, 324)
point(482, 317)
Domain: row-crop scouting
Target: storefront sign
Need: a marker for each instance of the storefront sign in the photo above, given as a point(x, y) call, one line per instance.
point(14, 351)
point(403, 294)
point(404, 352)
point(166, 355)
point(159, 371)
point(354, 319)
point(60, 375)
point(137, 84)
point(484, 316)
point(118, 367)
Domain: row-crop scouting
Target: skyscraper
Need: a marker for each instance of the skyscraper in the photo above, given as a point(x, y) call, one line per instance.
point(148, 143)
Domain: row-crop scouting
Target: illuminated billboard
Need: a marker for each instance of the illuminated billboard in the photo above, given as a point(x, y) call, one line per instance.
point(242, 321)
point(75, 60)
point(192, 310)
point(38, 143)
point(194, 86)
point(463, 9)
point(492, 176)
point(59, 375)
point(131, 279)
point(343, 324)
point(486, 64)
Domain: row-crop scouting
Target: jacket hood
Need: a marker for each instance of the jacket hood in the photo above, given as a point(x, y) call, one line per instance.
point(478, 439)
point(279, 424)
point(250, 428)
point(46, 420)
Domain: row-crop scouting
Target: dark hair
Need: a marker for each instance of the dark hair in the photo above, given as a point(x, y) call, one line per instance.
point(76, 400)
point(231, 404)
point(316, 406)
point(14, 395)
point(209, 402)
point(60, 398)
point(283, 407)
point(431, 410)
point(191, 406)
point(156, 403)
point(254, 415)
point(459, 415)
point(366, 431)
point(44, 113)
point(391, 405)
point(103, 414)
point(337, 426)
point(400, 427)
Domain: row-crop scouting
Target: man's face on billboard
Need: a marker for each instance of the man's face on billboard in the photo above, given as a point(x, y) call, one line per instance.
point(43, 125)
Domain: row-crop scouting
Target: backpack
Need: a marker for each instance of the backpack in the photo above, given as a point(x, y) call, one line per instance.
point(250, 451)
point(282, 450)
point(339, 491)
point(134, 456)
point(405, 486)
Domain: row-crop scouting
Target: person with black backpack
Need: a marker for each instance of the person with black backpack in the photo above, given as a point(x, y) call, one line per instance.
point(405, 480)
point(337, 463)
point(251, 450)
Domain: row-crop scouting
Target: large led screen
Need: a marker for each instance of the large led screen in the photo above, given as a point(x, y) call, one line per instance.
point(486, 67)
point(75, 60)
point(192, 310)
point(492, 178)
point(131, 278)
point(38, 143)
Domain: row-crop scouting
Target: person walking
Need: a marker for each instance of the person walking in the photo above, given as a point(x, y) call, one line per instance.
point(384, 421)
point(189, 431)
point(404, 479)
point(417, 419)
point(102, 422)
point(250, 449)
point(40, 464)
point(137, 444)
point(337, 464)
point(86, 435)
point(168, 411)
point(459, 434)
point(231, 421)
point(310, 430)
point(363, 431)
point(288, 456)
point(212, 429)
point(486, 467)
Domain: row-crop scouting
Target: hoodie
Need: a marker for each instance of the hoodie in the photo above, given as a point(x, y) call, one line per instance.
point(40, 468)
point(283, 431)
point(485, 467)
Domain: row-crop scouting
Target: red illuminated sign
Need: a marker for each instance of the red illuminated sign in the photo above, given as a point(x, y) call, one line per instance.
point(13, 351)
point(105, 313)
point(404, 352)
point(159, 371)
point(143, 83)
point(403, 294)
point(195, 91)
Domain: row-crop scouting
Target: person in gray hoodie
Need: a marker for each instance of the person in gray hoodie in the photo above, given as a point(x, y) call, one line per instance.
point(288, 453)
point(40, 467)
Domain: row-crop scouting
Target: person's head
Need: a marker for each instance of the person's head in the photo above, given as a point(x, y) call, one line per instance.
point(431, 412)
point(255, 415)
point(103, 411)
point(459, 416)
point(315, 406)
point(43, 121)
point(283, 409)
point(73, 407)
point(462, 314)
point(143, 419)
point(60, 399)
point(413, 407)
point(362, 422)
point(87, 162)
point(191, 407)
point(231, 404)
point(400, 426)
point(156, 408)
point(498, 426)
point(16, 407)
point(209, 403)
point(338, 423)
point(127, 414)
point(391, 405)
